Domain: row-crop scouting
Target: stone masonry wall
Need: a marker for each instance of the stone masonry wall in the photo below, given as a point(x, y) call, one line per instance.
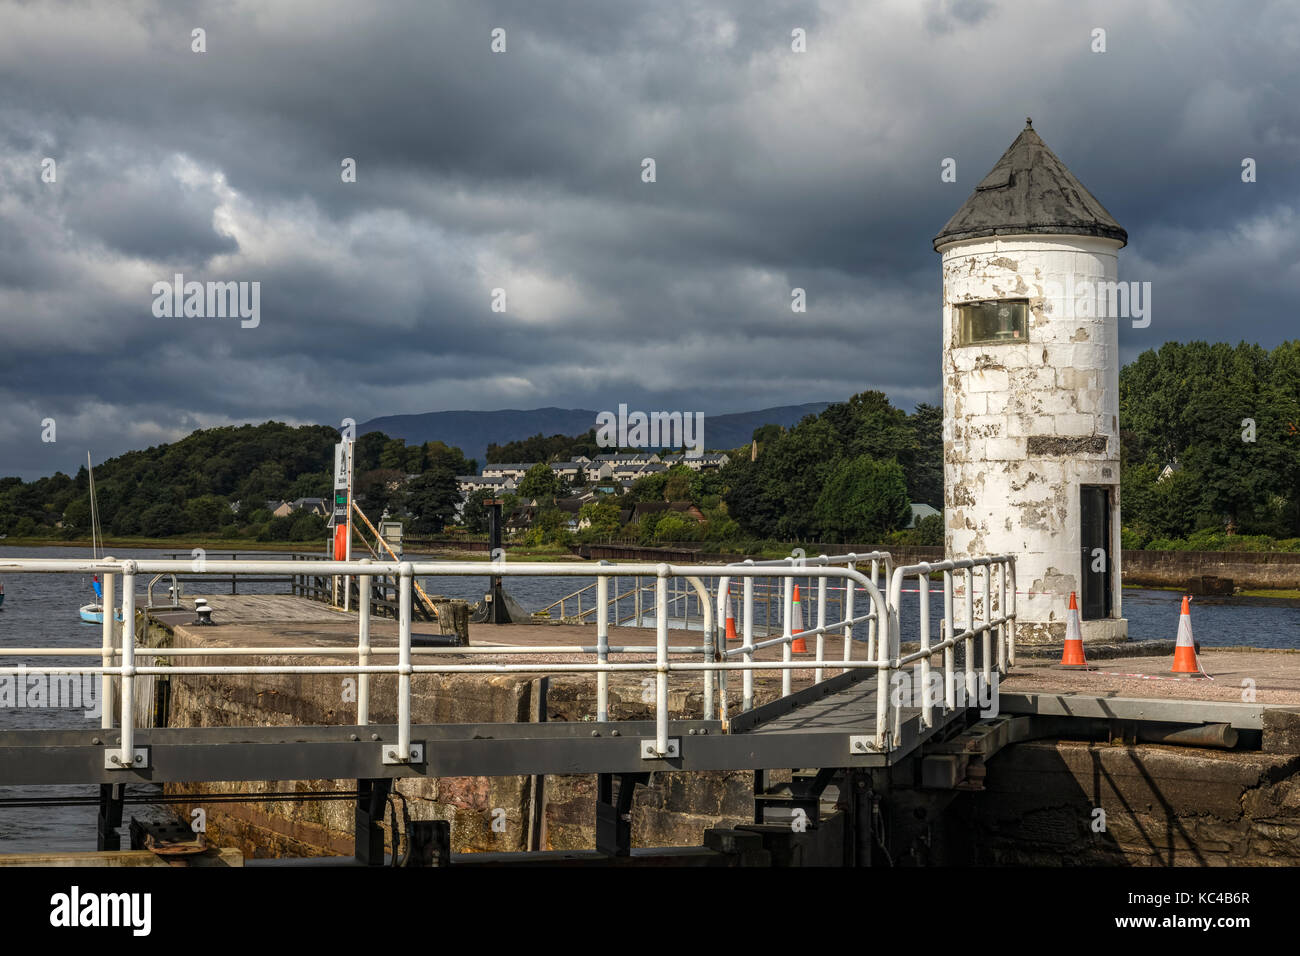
point(1027, 422)
point(673, 811)
point(1164, 806)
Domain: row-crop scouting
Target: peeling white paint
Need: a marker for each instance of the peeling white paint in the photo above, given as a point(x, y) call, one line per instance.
point(1062, 382)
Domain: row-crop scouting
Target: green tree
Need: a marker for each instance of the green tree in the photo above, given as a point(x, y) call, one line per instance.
point(677, 484)
point(929, 531)
point(393, 456)
point(161, 521)
point(551, 526)
point(674, 526)
point(432, 499)
point(540, 483)
point(864, 498)
point(307, 527)
point(603, 517)
point(475, 514)
point(205, 513)
point(925, 479)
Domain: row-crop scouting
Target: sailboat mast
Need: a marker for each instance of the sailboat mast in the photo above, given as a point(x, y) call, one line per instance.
point(94, 511)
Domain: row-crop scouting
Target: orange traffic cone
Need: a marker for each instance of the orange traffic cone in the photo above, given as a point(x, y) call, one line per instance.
point(798, 645)
point(1185, 661)
point(1072, 657)
point(731, 617)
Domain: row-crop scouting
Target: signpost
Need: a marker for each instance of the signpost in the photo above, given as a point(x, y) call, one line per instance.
point(343, 515)
point(497, 612)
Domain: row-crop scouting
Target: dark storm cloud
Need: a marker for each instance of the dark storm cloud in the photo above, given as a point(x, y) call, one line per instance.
point(522, 171)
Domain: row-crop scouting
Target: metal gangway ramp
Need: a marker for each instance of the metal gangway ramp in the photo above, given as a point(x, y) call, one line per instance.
point(870, 707)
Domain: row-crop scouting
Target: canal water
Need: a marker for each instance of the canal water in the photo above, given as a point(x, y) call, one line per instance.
point(40, 610)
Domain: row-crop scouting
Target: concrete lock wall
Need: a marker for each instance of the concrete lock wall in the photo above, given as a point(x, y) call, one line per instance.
point(1051, 802)
point(501, 814)
point(1027, 423)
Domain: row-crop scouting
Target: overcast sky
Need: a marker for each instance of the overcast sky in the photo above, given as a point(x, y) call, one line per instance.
point(522, 170)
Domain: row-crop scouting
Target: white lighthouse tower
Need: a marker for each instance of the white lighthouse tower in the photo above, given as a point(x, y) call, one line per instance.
point(1031, 389)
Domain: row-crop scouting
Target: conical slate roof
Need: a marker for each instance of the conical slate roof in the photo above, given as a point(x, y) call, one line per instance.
point(1030, 191)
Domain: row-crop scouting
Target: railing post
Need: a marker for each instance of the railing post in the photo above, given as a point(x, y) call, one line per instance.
point(106, 648)
point(363, 646)
point(850, 589)
point(1002, 613)
point(747, 692)
point(873, 624)
point(602, 643)
point(787, 635)
point(709, 625)
point(661, 660)
point(1011, 632)
point(404, 664)
point(988, 626)
point(722, 601)
point(923, 592)
point(949, 652)
point(821, 623)
point(126, 756)
point(883, 674)
point(971, 690)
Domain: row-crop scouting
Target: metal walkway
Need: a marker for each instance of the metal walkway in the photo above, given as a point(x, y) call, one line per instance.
point(856, 718)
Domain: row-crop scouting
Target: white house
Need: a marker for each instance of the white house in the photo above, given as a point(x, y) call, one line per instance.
point(515, 470)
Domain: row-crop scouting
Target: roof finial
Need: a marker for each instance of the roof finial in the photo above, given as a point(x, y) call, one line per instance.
point(1029, 123)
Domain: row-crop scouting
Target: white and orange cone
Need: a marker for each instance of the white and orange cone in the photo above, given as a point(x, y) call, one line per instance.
point(1185, 661)
point(1072, 657)
point(731, 617)
point(798, 645)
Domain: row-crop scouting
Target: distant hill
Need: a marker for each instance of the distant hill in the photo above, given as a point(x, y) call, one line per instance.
point(472, 432)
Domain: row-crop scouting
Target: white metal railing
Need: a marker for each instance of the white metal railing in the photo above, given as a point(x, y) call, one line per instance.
point(976, 620)
point(715, 661)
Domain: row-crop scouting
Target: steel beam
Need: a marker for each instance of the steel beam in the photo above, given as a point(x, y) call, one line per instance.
point(313, 753)
point(372, 797)
point(1240, 716)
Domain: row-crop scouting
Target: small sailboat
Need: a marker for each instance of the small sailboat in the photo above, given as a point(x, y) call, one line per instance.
point(94, 613)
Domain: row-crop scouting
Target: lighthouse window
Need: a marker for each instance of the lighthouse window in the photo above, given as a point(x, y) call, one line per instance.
point(1000, 321)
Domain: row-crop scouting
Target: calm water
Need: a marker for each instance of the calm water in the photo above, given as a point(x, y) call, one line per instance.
point(41, 610)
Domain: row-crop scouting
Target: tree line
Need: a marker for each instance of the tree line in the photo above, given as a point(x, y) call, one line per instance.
point(1210, 457)
point(218, 481)
point(1225, 422)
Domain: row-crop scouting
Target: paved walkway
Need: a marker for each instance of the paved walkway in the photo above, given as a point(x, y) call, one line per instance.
point(286, 620)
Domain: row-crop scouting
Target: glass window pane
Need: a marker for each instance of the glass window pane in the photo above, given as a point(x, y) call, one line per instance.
point(1001, 321)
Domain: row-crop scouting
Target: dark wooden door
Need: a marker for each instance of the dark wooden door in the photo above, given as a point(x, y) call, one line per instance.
point(1095, 556)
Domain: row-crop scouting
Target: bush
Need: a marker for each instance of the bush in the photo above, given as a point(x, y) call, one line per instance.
point(1131, 539)
point(307, 527)
point(161, 521)
point(675, 527)
point(930, 530)
point(277, 529)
